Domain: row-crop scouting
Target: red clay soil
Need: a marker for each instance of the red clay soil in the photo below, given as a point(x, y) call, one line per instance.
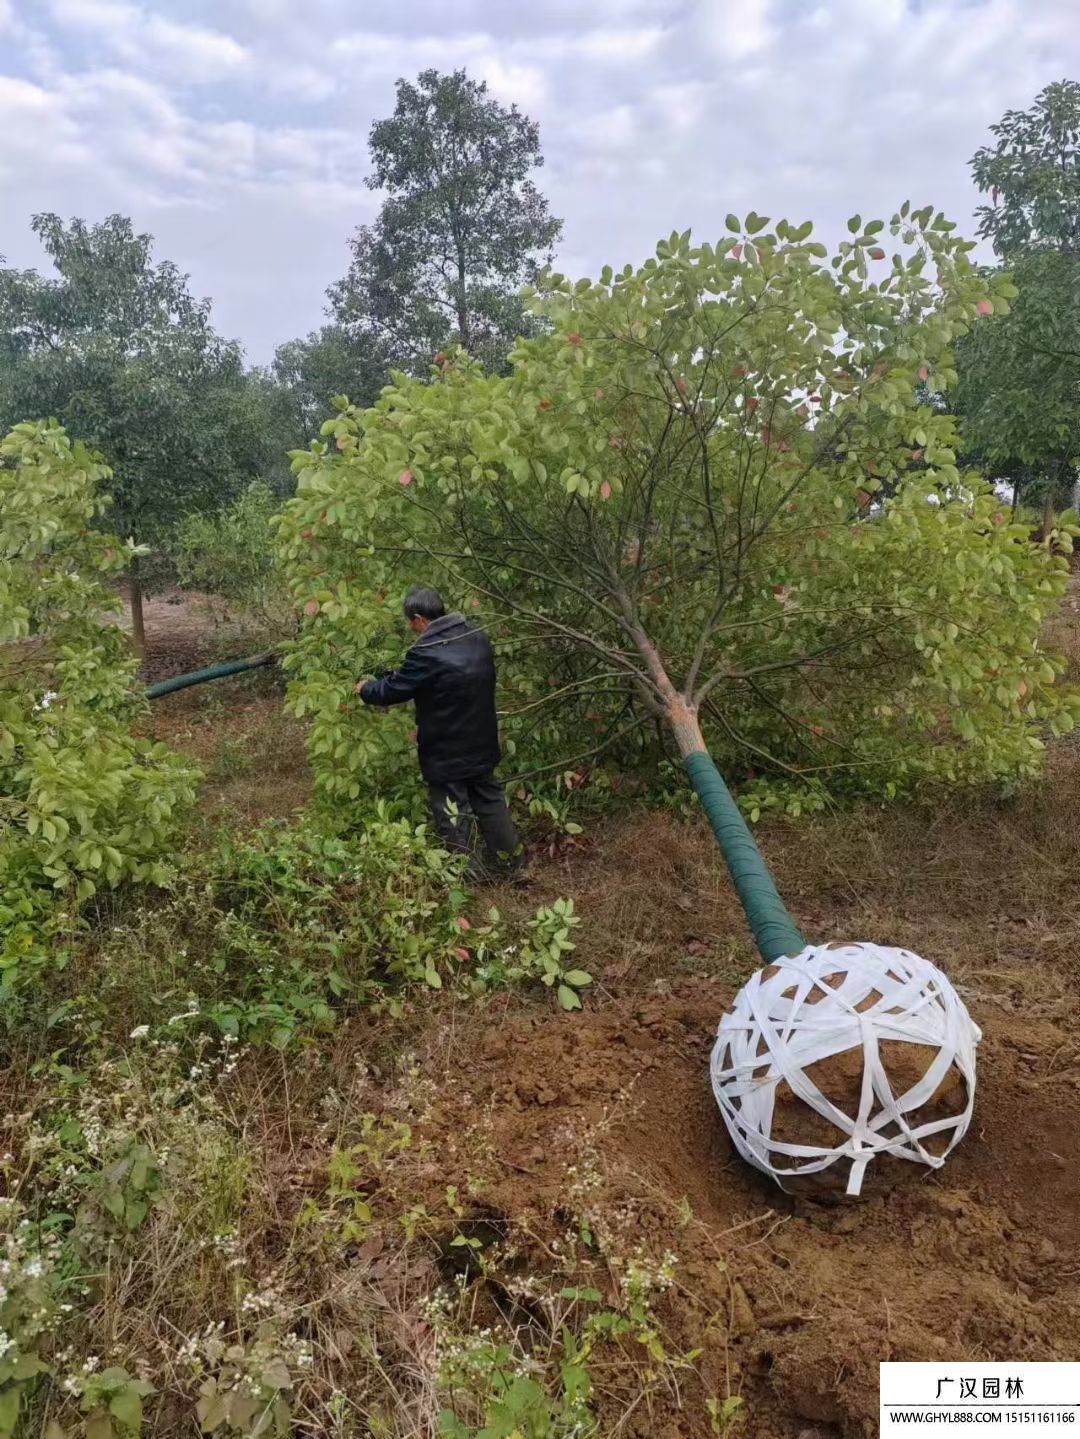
point(607, 1117)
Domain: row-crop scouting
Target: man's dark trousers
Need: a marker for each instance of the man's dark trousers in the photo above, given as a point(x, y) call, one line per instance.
point(460, 806)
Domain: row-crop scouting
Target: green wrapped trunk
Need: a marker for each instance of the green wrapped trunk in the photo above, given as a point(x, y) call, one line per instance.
point(211, 672)
point(775, 932)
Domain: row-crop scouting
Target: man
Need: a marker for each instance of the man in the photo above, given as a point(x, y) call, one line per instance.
point(450, 675)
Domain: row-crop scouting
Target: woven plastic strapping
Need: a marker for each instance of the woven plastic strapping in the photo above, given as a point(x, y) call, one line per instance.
point(825, 1001)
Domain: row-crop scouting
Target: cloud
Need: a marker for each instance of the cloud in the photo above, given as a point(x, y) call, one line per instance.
point(236, 130)
point(523, 85)
point(735, 32)
point(169, 49)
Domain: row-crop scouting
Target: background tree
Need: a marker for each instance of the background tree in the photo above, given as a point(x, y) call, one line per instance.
point(333, 360)
point(461, 229)
point(1020, 374)
point(666, 514)
point(116, 348)
point(1032, 175)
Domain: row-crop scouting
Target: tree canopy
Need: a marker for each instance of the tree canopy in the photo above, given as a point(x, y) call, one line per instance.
point(462, 226)
point(1032, 175)
point(333, 360)
point(667, 513)
point(119, 351)
point(1020, 373)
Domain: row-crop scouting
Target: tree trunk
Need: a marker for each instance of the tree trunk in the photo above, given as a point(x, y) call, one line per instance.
point(464, 334)
point(775, 932)
point(138, 629)
point(1049, 510)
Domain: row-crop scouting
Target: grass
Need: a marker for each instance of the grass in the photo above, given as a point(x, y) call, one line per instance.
point(301, 1204)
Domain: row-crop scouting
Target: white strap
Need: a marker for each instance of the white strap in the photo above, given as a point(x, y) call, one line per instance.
point(813, 1006)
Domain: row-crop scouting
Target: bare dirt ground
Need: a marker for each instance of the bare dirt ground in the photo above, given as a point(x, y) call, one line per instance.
point(546, 1122)
point(178, 632)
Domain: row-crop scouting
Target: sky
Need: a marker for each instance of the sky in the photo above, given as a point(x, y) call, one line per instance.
point(235, 131)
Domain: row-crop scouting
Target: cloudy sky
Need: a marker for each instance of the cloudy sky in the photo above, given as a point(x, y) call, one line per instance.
point(235, 130)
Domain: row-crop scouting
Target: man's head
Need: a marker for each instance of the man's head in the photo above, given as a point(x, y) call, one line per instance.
point(423, 605)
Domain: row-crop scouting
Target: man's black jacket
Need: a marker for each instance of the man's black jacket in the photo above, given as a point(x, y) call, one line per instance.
point(450, 673)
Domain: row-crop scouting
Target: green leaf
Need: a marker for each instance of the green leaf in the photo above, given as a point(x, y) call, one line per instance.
point(734, 224)
point(9, 1409)
point(854, 224)
point(568, 998)
point(579, 978)
point(28, 1366)
point(212, 1411)
point(127, 1407)
point(276, 1375)
point(113, 1201)
point(134, 1213)
point(451, 1427)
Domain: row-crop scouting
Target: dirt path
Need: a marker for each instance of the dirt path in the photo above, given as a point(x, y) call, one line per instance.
point(179, 633)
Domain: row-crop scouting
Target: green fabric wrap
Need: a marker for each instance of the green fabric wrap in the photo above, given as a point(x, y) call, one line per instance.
point(211, 672)
point(775, 932)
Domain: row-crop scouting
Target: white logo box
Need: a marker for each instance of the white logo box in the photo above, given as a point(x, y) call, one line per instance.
point(937, 1400)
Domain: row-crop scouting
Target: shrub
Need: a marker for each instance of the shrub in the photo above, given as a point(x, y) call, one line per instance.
point(269, 934)
point(229, 557)
point(85, 802)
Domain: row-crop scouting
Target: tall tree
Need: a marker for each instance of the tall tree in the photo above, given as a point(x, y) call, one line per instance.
point(116, 347)
point(1032, 175)
point(462, 227)
point(1020, 373)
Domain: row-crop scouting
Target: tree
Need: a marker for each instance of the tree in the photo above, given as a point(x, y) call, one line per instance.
point(461, 229)
point(666, 513)
point(118, 350)
point(1019, 391)
point(1020, 373)
point(328, 362)
point(1032, 175)
point(83, 802)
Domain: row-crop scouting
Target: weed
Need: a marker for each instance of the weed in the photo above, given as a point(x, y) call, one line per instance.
point(243, 1386)
point(724, 1414)
point(29, 1308)
point(111, 1400)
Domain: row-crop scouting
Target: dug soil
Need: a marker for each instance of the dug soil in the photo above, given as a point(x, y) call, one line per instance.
point(571, 1147)
point(596, 1135)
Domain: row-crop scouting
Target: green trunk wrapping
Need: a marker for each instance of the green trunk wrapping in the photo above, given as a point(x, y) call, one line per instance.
point(775, 932)
point(212, 672)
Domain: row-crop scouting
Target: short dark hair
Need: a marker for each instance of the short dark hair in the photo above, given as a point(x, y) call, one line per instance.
point(425, 602)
